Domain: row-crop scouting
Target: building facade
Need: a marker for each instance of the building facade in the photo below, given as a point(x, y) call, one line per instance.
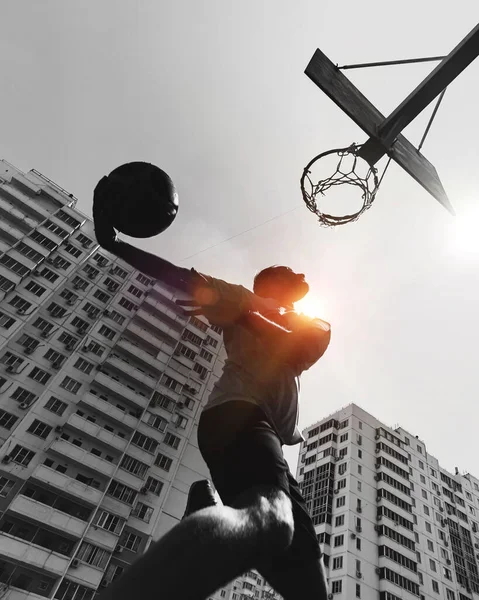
point(102, 381)
point(390, 520)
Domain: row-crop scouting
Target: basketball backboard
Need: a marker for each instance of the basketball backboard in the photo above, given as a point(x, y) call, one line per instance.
point(385, 133)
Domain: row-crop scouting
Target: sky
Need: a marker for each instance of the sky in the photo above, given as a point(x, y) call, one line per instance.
point(215, 94)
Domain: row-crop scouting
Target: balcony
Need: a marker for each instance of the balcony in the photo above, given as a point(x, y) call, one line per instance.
point(85, 575)
point(50, 517)
point(109, 410)
point(156, 324)
point(21, 200)
point(11, 233)
point(18, 217)
point(83, 457)
point(159, 306)
point(126, 369)
point(98, 433)
point(34, 556)
point(140, 355)
point(121, 390)
point(18, 594)
point(145, 337)
point(102, 537)
point(130, 480)
point(67, 484)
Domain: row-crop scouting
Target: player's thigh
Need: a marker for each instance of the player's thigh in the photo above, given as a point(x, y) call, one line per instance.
point(299, 581)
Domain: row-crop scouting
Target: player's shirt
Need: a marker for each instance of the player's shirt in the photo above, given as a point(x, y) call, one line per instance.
point(254, 371)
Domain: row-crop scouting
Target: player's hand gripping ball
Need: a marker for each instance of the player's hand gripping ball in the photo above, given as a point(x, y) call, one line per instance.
point(138, 199)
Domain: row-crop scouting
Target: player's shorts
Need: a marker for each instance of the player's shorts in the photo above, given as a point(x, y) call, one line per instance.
point(242, 450)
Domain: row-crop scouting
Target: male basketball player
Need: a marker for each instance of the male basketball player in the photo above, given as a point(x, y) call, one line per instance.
point(263, 522)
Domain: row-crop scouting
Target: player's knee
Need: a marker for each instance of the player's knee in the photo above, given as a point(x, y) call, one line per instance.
point(274, 513)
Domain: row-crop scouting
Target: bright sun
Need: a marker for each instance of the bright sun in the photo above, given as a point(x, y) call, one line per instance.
point(309, 306)
point(465, 238)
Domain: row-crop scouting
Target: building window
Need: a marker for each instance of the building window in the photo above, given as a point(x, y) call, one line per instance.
point(70, 590)
point(56, 229)
point(21, 455)
point(143, 279)
point(430, 545)
point(358, 591)
point(154, 486)
point(428, 527)
point(432, 564)
point(40, 429)
point(339, 521)
point(121, 492)
point(7, 421)
point(337, 586)
point(143, 441)
point(200, 370)
point(358, 543)
point(95, 348)
point(163, 462)
point(344, 437)
point(39, 375)
point(134, 466)
point(14, 265)
point(5, 284)
point(172, 440)
point(143, 512)
point(67, 218)
point(84, 365)
point(35, 288)
point(20, 304)
point(426, 510)
point(85, 241)
point(24, 396)
point(43, 240)
point(127, 305)
point(108, 521)
point(435, 586)
point(338, 540)
point(70, 384)
point(116, 316)
point(116, 270)
point(130, 541)
point(5, 321)
point(93, 555)
point(135, 291)
point(424, 494)
point(29, 252)
point(337, 563)
point(101, 296)
point(75, 252)
point(56, 406)
point(157, 422)
point(208, 356)
point(107, 332)
point(6, 486)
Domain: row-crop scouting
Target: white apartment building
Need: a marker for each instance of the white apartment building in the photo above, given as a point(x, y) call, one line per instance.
point(102, 380)
point(390, 520)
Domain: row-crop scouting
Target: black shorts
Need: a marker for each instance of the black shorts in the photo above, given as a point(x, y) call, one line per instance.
point(242, 450)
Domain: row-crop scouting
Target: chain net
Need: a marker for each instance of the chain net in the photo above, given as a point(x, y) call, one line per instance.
point(344, 175)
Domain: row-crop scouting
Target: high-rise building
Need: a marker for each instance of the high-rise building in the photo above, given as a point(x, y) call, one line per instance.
point(102, 380)
point(389, 518)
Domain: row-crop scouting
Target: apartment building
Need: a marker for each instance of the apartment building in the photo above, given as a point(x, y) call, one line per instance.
point(390, 520)
point(102, 380)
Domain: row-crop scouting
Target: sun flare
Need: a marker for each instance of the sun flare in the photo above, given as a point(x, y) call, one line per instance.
point(309, 306)
point(465, 239)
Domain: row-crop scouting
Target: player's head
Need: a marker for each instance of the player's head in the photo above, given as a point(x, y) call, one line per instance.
point(280, 283)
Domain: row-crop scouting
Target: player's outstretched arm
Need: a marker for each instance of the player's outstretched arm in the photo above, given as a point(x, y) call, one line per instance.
point(150, 264)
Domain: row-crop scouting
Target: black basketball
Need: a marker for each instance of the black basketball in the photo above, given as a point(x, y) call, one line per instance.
point(144, 199)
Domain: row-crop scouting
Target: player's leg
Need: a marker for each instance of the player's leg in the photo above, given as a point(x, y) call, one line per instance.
point(299, 571)
point(305, 580)
point(233, 540)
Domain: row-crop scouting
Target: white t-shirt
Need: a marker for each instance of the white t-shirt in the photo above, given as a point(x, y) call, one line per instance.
point(253, 371)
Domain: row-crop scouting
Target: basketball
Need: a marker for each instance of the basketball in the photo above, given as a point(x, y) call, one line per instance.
point(144, 201)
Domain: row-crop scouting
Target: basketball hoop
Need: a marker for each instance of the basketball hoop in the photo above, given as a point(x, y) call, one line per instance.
point(368, 184)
